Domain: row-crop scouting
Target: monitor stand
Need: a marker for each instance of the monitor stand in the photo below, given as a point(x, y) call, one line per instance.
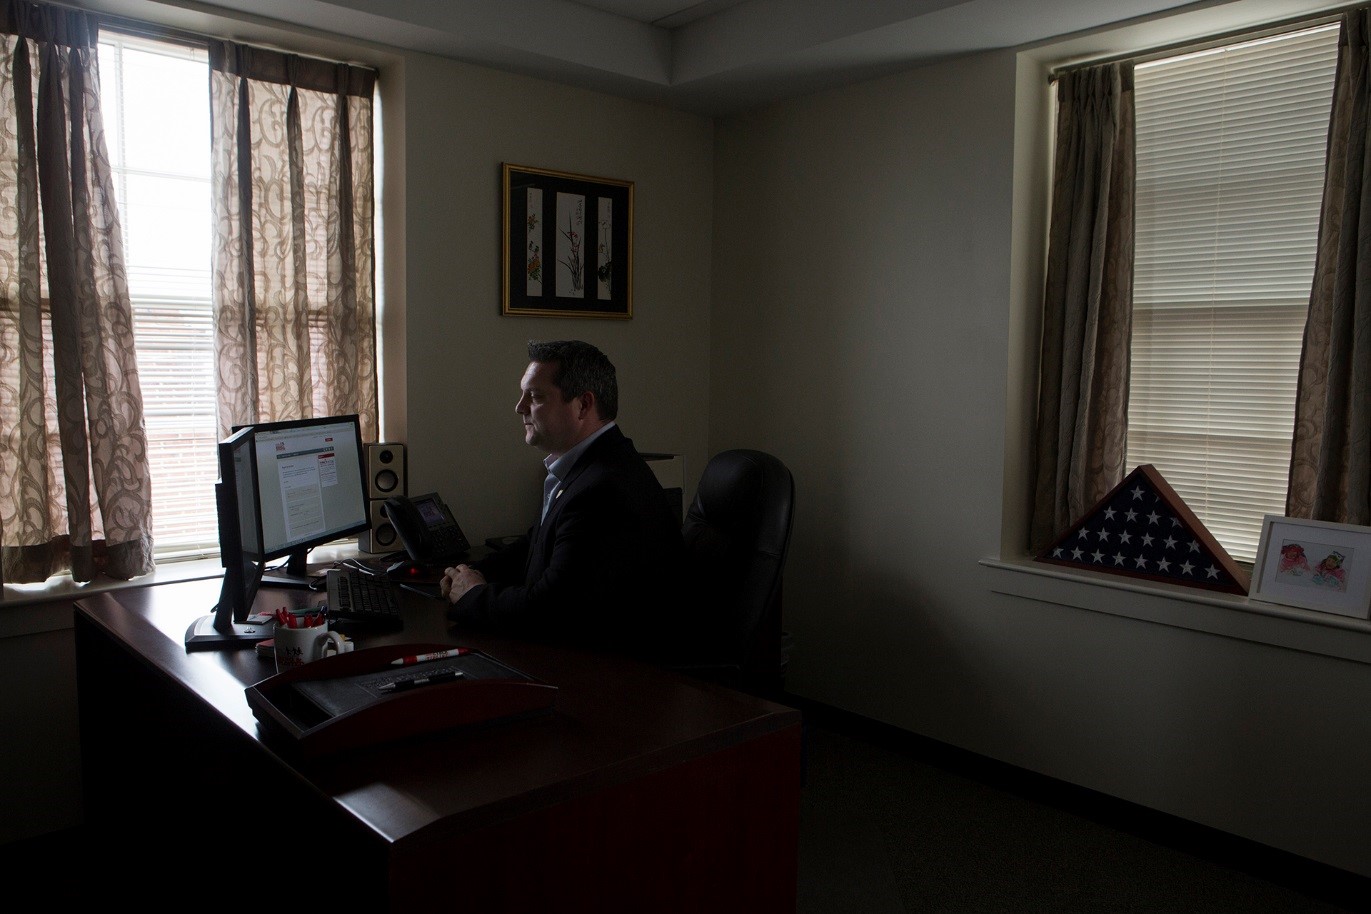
point(296, 573)
point(220, 630)
point(205, 634)
point(278, 579)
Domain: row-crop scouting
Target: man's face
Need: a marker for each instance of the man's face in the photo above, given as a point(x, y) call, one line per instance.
point(550, 423)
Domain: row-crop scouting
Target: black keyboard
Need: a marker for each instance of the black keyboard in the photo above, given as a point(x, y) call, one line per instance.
point(359, 597)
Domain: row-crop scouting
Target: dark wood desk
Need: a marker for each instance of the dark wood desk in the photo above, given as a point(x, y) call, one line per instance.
point(642, 791)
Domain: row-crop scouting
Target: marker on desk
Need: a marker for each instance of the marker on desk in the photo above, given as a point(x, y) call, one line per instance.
point(401, 685)
point(425, 658)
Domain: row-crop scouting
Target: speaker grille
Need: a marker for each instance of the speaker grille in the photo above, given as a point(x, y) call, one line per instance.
point(386, 470)
point(381, 537)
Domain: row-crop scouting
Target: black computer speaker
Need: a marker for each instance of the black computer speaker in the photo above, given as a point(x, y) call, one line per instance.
point(386, 471)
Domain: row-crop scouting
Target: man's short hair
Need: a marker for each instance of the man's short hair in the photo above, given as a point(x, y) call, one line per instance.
point(580, 368)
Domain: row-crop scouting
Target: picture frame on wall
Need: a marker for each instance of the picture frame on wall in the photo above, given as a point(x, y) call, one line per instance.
point(1315, 565)
point(567, 244)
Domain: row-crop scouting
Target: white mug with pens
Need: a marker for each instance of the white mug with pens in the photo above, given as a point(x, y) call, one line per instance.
point(304, 638)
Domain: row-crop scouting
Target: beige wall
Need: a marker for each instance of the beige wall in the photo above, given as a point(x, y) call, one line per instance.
point(861, 281)
point(40, 760)
point(877, 259)
point(464, 359)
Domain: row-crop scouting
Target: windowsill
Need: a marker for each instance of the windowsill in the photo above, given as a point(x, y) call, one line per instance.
point(1223, 615)
point(30, 609)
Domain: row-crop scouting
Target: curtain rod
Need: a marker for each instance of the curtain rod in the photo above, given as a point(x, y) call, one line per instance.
point(149, 30)
point(180, 36)
point(1206, 43)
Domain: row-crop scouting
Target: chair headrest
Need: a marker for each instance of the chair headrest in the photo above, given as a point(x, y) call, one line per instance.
point(744, 501)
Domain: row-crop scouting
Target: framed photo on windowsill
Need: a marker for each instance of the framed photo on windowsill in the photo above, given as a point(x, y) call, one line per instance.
point(1314, 565)
point(567, 244)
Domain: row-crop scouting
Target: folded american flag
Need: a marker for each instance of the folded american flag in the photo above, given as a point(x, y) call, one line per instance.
point(1142, 529)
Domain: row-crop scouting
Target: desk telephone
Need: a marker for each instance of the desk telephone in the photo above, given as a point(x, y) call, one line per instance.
point(428, 530)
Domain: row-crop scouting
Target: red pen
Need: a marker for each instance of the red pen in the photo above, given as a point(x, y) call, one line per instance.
point(424, 658)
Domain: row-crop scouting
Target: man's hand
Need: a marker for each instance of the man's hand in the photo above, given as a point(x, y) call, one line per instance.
point(457, 581)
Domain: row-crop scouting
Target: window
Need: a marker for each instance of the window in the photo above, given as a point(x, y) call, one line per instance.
point(1230, 162)
point(161, 168)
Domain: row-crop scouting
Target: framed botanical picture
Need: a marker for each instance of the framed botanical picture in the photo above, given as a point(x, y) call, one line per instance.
point(568, 244)
point(1315, 565)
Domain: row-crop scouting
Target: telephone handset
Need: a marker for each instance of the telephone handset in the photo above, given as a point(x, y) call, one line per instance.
point(427, 528)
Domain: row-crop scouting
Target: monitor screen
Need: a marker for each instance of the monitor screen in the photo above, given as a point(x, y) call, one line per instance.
point(311, 487)
point(244, 482)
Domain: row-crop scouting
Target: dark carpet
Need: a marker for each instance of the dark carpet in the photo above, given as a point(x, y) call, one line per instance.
point(893, 823)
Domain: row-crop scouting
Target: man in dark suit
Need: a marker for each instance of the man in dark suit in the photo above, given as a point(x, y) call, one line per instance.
point(603, 564)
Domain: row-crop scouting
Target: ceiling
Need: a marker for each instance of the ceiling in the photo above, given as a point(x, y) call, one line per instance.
point(712, 56)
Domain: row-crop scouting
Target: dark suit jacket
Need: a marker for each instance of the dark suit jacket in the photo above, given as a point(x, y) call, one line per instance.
point(603, 568)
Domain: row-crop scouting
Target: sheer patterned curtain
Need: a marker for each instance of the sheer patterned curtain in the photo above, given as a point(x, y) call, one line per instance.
point(75, 492)
point(294, 287)
point(1330, 460)
point(1082, 426)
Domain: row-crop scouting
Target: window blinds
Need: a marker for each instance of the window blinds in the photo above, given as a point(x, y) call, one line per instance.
point(155, 102)
point(1230, 162)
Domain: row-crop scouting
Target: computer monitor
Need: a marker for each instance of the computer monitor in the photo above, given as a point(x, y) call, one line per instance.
point(284, 488)
point(235, 499)
point(311, 490)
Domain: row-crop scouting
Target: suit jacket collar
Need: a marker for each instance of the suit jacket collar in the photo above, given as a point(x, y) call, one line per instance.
point(610, 438)
point(562, 465)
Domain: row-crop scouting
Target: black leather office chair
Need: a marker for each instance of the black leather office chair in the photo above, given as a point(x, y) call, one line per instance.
point(737, 533)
